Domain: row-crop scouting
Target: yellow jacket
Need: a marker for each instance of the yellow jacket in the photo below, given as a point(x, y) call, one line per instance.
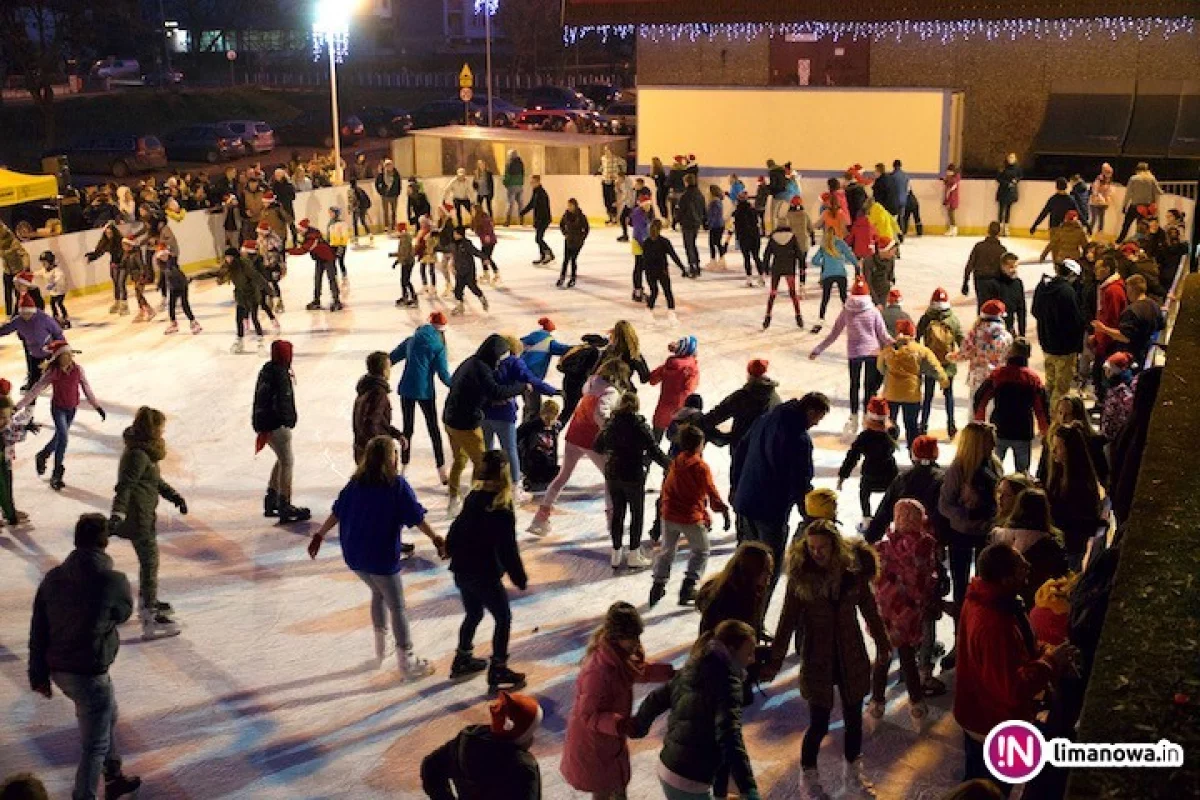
point(339, 234)
point(901, 364)
point(884, 223)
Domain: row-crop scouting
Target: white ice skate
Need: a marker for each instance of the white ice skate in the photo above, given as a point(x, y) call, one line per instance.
point(749, 282)
point(172, 328)
point(875, 711)
point(115, 307)
point(917, 714)
point(760, 282)
point(156, 625)
point(636, 560)
point(453, 506)
point(671, 318)
point(540, 525)
point(951, 231)
point(855, 782)
point(239, 346)
point(618, 557)
point(261, 343)
point(850, 429)
point(196, 327)
point(411, 667)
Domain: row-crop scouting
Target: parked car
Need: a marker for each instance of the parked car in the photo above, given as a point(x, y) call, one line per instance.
point(623, 115)
point(602, 95)
point(384, 121)
point(562, 97)
point(162, 78)
point(258, 136)
point(555, 119)
point(316, 127)
point(504, 113)
point(211, 143)
point(117, 69)
point(116, 154)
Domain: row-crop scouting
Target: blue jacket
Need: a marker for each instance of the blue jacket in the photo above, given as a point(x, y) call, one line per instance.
point(370, 519)
point(715, 216)
point(735, 189)
point(835, 266)
point(901, 184)
point(424, 354)
point(514, 370)
point(773, 465)
point(540, 347)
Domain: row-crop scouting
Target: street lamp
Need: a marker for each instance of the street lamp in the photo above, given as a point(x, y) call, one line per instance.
point(331, 30)
point(488, 8)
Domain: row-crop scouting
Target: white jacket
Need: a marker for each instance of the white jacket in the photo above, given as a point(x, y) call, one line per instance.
point(458, 189)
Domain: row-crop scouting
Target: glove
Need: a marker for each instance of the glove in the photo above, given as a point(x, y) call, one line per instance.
point(115, 521)
point(181, 504)
point(92, 257)
point(103, 416)
point(966, 289)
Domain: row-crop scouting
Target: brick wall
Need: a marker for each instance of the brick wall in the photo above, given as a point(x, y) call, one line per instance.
point(721, 62)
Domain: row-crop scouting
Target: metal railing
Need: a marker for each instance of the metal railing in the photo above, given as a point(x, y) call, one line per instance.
point(1186, 189)
point(404, 79)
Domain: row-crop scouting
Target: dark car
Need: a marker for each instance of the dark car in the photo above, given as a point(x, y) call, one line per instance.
point(602, 95)
point(385, 121)
point(211, 143)
point(116, 154)
point(316, 127)
point(623, 116)
point(504, 113)
point(556, 97)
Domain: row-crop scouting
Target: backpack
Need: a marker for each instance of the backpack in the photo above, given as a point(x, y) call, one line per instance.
point(939, 338)
point(577, 361)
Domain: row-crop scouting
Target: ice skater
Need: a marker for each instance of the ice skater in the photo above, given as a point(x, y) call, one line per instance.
point(485, 228)
point(575, 229)
point(746, 231)
point(837, 262)
point(424, 357)
point(36, 330)
point(465, 253)
point(655, 252)
point(423, 250)
point(539, 204)
point(405, 256)
point(177, 287)
point(314, 244)
point(248, 288)
point(338, 235)
point(274, 417)
point(141, 274)
point(56, 287)
point(273, 265)
point(784, 257)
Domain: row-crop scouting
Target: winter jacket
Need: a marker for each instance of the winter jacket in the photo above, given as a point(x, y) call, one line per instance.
point(902, 364)
point(512, 370)
point(76, 611)
point(464, 253)
point(841, 264)
point(514, 171)
point(1011, 292)
point(1068, 241)
point(1140, 321)
point(372, 414)
point(1112, 301)
point(679, 376)
point(691, 208)
point(984, 261)
point(540, 347)
point(893, 315)
point(883, 222)
point(537, 448)
point(783, 255)
point(801, 225)
point(539, 204)
point(901, 186)
point(880, 272)
point(1142, 190)
point(459, 188)
point(1056, 208)
point(861, 237)
point(950, 194)
point(866, 333)
point(906, 587)
point(1045, 554)
point(418, 206)
point(387, 183)
point(424, 356)
point(274, 399)
point(371, 520)
point(714, 215)
point(968, 502)
point(575, 228)
point(1006, 184)
point(637, 366)
point(877, 449)
point(744, 406)
point(999, 670)
point(314, 244)
point(639, 222)
point(484, 227)
point(482, 542)
point(595, 407)
point(474, 386)
point(476, 765)
point(946, 317)
point(883, 192)
point(630, 446)
point(688, 484)
point(1101, 194)
point(656, 252)
point(704, 730)
point(66, 384)
point(820, 618)
point(745, 222)
point(248, 283)
point(109, 244)
point(772, 468)
point(1148, 268)
point(856, 198)
point(923, 483)
point(35, 333)
point(595, 754)
point(1060, 322)
point(984, 348)
point(139, 485)
point(137, 269)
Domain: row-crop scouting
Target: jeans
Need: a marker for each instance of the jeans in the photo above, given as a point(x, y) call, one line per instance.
point(506, 432)
point(120, 282)
point(927, 402)
point(280, 442)
point(1098, 214)
point(818, 726)
point(539, 237)
point(516, 201)
point(827, 285)
point(7, 505)
point(325, 269)
point(655, 279)
point(689, 246)
point(964, 549)
point(465, 446)
point(626, 495)
point(180, 296)
point(388, 590)
point(1131, 215)
point(359, 215)
point(478, 596)
point(696, 535)
point(773, 536)
point(339, 257)
point(912, 414)
point(96, 710)
point(671, 793)
point(609, 191)
point(1021, 450)
point(459, 205)
point(389, 212)
point(63, 417)
point(429, 410)
point(873, 382)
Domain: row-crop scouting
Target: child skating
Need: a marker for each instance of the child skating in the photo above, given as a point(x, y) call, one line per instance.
point(177, 288)
point(14, 425)
point(464, 254)
point(785, 257)
point(405, 256)
point(56, 288)
point(877, 449)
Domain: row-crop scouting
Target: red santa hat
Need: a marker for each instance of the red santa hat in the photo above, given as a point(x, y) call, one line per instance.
point(860, 286)
point(993, 308)
point(5, 386)
point(925, 448)
point(905, 327)
point(515, 717)
point(401, 227)
point(263, 225)
point(877, 410)
point(1130, 249)
point(757, 367)
point(1117, 363)
point(940, 299)
point(1071, 216)
point(894, 297)
point(797, 202)
point(23, 278)
point(162, 253)
point(27, 302)
point(249, 246)
point(884, 243)
point(268, 197)
point(129, 241)
point(303, 224)
point(438, 320)
point(57, 348)
point(547, 324)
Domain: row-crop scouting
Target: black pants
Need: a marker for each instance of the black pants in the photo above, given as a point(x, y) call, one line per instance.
point(874, 380)
point(266, 302)
point(1131, 215)
point(772, 535)
point(818, 726)
point(625, 212)
point(487, 251)
point(477, 597)
point(325, 269)
point(407, 291)
point(689, 246)
point(632, 496)
point(914, 213)
point(791, 285)
point(749, 248)
point(975, 767)
point(610, 198)
point(539, 236)
point(912, 417)
point(242, 315)
point(827, 285)
point(571, 259)
point(638, 272)
point(864, 497)
point(428, 274)
point(660, 278)
point(178, 296)
point(572, 394)
point(485, 202)
point(33, 370)
point(716, 249)
point(429, 410)
point(59, 306)
point(339, 255)
point(359, 215)
point(464, 281)
point(459, 205)
point(10, 295)
point(1005, 214)
point(36, 294)
point(964, 549)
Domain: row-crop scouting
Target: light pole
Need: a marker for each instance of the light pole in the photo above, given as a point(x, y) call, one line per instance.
point(331, 29)
point(488, 7)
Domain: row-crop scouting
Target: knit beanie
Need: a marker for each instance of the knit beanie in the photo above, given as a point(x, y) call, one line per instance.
point(905, 327)
point(925, 449)
point(685, 346)
point(909, 514)
point(438, 320)
point(694, 401)
point(547, 324)
point(757, 367)
point(821, 504)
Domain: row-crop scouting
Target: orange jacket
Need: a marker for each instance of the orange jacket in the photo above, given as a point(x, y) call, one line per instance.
point(688, 484)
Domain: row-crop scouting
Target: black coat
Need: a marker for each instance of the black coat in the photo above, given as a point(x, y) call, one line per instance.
point(877, 449)
point(655, 253)
point(274, 399)
point(691, 208)
point(1056, 209)
point(630, 446)
point(1006, 183)
point(475, 765)
point(1060, 322)
point(539, 203)
point(745, 221)
point(744, 406)
point(473, 386)
point(922, 483)
point(285, 195)
point(783, 255)
point(76, 612)
point(1011, 292)
point(418, 206)
point(482, 543)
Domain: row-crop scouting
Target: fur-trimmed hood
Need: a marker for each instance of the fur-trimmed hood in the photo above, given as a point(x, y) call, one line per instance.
point(810, 581)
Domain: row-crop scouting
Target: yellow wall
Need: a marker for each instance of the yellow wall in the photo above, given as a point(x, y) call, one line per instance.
point(818, 130)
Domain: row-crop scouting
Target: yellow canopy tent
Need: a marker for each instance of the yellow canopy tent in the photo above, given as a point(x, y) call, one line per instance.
point(16, 187)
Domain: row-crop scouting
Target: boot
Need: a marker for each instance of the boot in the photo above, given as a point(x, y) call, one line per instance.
point(150, 313)
point(337, 306)
point(658, 591)
point(500, 677)
point(951, 430)
point(279, 305)
point(313, 306)
point(561, 282)
point(196, 327)
point(271, 503)
point(618, 557)
point(920, 229)
point(115, 307)
point(453, 506)
point(56, 479)
point(411, 667)
point(141, 315)
point(766, 322)
point(289, 513)
point(637, 295)
point(483, 302)
point(66, 324)
point(172, 328)
point(810, 785)
point(156, 625)
point(571, 282)
point(817, 328)
point(39, 462)
point(465, 665)
point(238, 346)
point(118, 785)
point(687, 592)
point(123, 310)
point(799, 320)
point(855, 782)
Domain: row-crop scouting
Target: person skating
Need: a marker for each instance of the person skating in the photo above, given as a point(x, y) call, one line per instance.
point(484, 227)
point(893, 312)
point(489, 762)
point(1101, 197)
point(424, 244)
point(338, 236)
point(749, 241)
point(73, 642)
point(690, 213)
point(879, 268)
point(1060, 327)
point(444, 248)
point(36, 330)
point(482, 545)
point(1010, 291)
point(14, 426)
point(877, 449)
point(405, 256)
point(940, 331)
point(714, 221)
point(314, 244)
point(15, 259)
point(537, 445)
point(139, 485)
point(514, 187)
point(575, 229)
point(537, 348)
point(500, 419)
point(458, 192)
point(248, 287)
point(109, 244)
point(360, 205)
point(372, 415)
point(1007, 180)
point(679, 376)
point(177, 288)
point(837, 262)
point(1017, 397)
point(950, 198)
point(137, 271)
point(785, 257)
point(983, 266)
point(577, 365)
point(903, 363)
point(424, 357)
point(640, 219)
point(273, 418)
point(387, 186)
point(270, 289)
point(655, 252)
point(67, 379)
point(1141, 191)
point(418, 202)
point(56, 288)
point(371, 513)
point(539, 204)
point(465, 253)
point(742, 407)
point(272, 263)
point(985, 346)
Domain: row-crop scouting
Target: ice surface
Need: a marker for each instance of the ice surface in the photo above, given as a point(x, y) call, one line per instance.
point(268, 693)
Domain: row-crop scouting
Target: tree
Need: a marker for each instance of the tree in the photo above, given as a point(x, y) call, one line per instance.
point(534, 29)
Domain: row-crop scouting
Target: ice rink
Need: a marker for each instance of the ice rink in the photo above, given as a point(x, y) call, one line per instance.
point(268, 692)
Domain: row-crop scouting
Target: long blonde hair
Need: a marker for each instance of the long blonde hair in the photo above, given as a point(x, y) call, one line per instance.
point(378, 464)
point(829, 242)
point(976, 446)
point(494, 476)
point(841, 560)
point(625, 340)
point(733, 633)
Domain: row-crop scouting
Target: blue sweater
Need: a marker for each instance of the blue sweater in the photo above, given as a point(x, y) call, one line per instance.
point(716, 215)
point(835, 266)
point(370, 519)
point(513, 370)
point(540, 347)
point(424, 355)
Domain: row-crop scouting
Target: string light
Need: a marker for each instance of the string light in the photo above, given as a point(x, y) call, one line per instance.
point(331, 29)
point(943, 31)
point(490, 5)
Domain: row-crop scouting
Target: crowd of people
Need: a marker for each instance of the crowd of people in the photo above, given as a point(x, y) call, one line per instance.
point(1026, 533)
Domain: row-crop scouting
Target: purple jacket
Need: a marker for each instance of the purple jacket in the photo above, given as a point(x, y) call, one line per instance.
point(35, 332)
point(512, 369)
point(640, 220)
point(866, 332)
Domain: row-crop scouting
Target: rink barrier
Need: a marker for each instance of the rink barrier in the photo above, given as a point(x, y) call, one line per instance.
point(201, 237)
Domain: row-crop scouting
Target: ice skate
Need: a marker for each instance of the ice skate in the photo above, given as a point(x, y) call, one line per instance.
point(635, 559)
point(952, 231)
point(646, 550)
point(238, 346)
point(413, 668)
point(56, 479)
point(766, 322)
point(381, 647)
point(150, 314)
point(313, 306)
point(465, 665)
point(760, 282)
point(862, 526)
point(162, 306)
point(540, 526)
point(196, 327)
point(618, 557)
point(271, 503)
point(275, 327)
point(749, 282)
point(496, 280)
point(875, 711)
point(622, 238)
point(810, 785)
point(279, 305)
point(500, 677)
point(850, 429)
point(119, 785)
point(453, 506)
point(637, 295)
point(817, 328)
point(39, 462)
point(800, 321)
point(549, 259)
point(66, 324)
point(571, 282)
point(289, 513)
point(687, 592)
point(561, 282)
point(539, 261)
point(855, 782)
point(443, 475)
point(172, 328)
point(337, 306)
point(459, 309)
point(658, 591)
point(156, 625)
point(141, 315)
point(483, 301)
point(671, 318)
point(448, 291)
point(115, 307)
point(123, 309)
point(261, 344)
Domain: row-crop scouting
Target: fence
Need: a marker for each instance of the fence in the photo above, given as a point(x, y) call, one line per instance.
point(405, 79)
point(1186, 189)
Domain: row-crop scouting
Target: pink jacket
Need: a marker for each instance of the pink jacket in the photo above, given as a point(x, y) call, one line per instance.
point(595, 754)
point(66, 385)
point(950, 191)
point(679, 376)
point(865, 330)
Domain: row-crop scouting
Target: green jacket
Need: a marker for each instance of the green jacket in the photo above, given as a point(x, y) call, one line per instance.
point(248, 283)
point(139, 485)
point(12, 253)
point(948, 318)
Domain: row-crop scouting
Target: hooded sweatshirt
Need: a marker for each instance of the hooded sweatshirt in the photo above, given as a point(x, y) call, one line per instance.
point(274, 398)
point(835, 265)
point(784, 254)
point(481, 766)
point(866, 333)
point(372, 412)
point(595, 407)
point(474, 386)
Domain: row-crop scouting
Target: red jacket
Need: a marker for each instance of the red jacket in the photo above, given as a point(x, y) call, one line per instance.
point(595, 755)
point(861, 237)
point(679, 376)
point(688, 484)
point(315, 245)
point(1112, 302)
point(999, 671)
